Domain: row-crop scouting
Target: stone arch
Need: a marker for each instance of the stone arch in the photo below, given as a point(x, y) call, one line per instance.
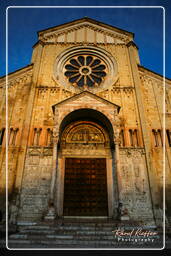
point(92, 116)
point(89, 114)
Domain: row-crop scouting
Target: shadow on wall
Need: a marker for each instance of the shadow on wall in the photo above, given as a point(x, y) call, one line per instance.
point(168, 202)
point(2, 205)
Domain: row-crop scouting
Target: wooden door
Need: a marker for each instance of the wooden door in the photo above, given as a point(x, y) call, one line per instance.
point(85, 187)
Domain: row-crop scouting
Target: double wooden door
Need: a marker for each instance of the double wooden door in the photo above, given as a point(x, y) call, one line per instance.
point(85, 187)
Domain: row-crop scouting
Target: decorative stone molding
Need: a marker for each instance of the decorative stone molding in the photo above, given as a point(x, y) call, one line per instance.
point(149, 76)
point(18, 79)
point(40, 151)
point(136, 152)
point(84, 32)
point(126, 90)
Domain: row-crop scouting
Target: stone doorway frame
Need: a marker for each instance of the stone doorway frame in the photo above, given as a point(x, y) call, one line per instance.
point(61, 110)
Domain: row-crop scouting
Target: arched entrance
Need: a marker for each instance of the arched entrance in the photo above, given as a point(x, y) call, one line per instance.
point(84, 145)
point(86, 173)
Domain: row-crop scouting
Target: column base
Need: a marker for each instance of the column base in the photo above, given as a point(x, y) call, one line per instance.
point(126, 217)
point(50, 215)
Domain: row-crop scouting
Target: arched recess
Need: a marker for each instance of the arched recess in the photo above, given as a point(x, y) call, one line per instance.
point(87, 114)
point(90, 122)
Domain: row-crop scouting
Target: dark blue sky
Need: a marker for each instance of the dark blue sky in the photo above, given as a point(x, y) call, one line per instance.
point(145, 23)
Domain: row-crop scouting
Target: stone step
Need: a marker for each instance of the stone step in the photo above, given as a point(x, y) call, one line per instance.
point(62, 236)
point(37, 227)
point(80, 246)
point(74, 243)
point(60, 246)
point(68, 228)
point(82, 237)
point(63, 241)
point(35, 231)
point(68, 235)
point(91, 225)
point(67, 232)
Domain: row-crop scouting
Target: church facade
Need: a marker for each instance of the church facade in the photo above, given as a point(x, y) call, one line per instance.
point(85, 129)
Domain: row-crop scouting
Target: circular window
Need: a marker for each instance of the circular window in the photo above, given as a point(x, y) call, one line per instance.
point(89, 68)
point(85, 71)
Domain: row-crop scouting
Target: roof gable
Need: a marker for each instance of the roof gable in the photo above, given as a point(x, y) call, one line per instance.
point(86, 95)
point(85, 30)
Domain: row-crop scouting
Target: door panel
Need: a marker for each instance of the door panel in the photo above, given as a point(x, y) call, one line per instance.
point(85, 188)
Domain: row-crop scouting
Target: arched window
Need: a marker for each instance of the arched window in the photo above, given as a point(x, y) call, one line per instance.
point(36, 137)
point(160, 138)
point(135, 138)
point(85, 70)
point(2, 132)
point(12, 136)
point(157, 138)
point(49, 137)
point(168, 132)
point(131, 137)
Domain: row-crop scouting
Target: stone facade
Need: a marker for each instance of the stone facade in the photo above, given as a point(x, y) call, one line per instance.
point(123, 98)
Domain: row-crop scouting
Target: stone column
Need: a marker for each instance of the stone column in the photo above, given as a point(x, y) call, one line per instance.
point(117, 159)
point(51, 213)
point(116, 129)
point(54, 161)
point(122, 212)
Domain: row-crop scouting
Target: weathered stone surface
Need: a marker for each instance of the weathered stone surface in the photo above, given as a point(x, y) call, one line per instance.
point(131, 98)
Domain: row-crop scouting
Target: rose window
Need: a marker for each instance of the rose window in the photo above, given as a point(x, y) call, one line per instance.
point(85, 71)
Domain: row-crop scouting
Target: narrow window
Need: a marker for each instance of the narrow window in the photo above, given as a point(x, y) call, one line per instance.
point(122, 141)
point(168, 132)
point(131, 138)
point(135, 138)
point(160, 139)
point(49, 137)
point(36, 138)
point(12, 136)
point(155, 138)
point(2, 132)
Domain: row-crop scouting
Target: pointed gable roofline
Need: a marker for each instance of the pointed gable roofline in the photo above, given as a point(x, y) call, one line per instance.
point(81, 94)
point(86, 19)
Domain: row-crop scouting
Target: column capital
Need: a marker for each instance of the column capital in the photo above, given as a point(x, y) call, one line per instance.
point(116, 119)
point(116, 136)
point(55, 135)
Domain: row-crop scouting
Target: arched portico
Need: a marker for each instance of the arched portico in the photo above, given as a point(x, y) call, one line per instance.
point(91, 118)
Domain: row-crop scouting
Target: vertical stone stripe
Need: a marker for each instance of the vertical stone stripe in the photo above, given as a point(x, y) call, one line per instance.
point(27, 121)
point(117, 168)
point(137, 83)
point(52, 185)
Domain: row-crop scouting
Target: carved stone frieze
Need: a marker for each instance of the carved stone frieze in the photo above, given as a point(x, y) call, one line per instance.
point(23, 78)
point(40, 151)
point(86, 32)
point(132, 152)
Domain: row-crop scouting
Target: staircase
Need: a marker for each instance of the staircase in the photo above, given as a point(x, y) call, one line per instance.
point(72, 234)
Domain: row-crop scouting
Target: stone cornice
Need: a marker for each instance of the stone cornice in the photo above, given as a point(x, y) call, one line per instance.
point(90, 22)
point(86, 93)
point(19, 76)
point(107, 33)
point(152, 74)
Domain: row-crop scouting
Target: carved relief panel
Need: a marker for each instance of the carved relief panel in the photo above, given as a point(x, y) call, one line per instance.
point(135, 194)
point(84, 136)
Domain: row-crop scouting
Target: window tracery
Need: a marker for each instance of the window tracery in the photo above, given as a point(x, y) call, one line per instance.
point(85, 71)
